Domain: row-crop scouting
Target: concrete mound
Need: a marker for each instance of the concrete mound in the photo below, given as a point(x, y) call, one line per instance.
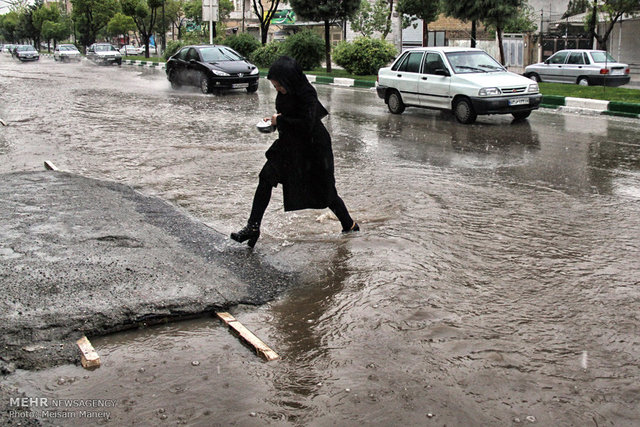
point(83, 256)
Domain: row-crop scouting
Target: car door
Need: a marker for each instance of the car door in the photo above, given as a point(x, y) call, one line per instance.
point(553, 71)
point(192, 66)
point(179, 66)
point(574, 68)
point(407, 76)
point(56, 53)
point(434, 82)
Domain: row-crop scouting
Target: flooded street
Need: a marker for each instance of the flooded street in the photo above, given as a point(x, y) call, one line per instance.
point(496, 280)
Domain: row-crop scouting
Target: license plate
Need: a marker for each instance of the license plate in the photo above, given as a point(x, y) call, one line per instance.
point(239, 85)
point(519, 101)
point(617, 72)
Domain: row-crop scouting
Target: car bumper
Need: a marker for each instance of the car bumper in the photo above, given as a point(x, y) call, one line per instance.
point(608, 80)
point(218, 82)
point(503, 105)
point(30, 58)
point(381, 90)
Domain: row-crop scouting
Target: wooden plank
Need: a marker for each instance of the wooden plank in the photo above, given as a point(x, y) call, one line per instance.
point(248, 337)
point(50, 166)
point(89, 356)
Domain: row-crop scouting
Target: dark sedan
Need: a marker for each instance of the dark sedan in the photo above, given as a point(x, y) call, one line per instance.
point(212, 67)
point(25, 52)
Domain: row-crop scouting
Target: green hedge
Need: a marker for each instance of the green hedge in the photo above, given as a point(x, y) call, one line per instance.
point(364, 56)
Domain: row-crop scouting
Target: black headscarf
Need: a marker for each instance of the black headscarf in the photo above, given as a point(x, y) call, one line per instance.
point(286, 71)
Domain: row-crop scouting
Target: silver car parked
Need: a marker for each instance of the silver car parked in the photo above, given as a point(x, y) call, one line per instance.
point(585, 67)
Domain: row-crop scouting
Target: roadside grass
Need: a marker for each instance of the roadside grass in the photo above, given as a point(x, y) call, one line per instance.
point(142, 58)
point(604, 93)
point(340, 73)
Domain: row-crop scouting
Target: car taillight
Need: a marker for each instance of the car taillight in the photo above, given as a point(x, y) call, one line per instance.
point(604, 71)
point(627, 71)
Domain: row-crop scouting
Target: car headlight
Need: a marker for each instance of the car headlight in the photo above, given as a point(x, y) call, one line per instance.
point(489, 91)
point(220, 73)
point(254, 71)
point(534, 88)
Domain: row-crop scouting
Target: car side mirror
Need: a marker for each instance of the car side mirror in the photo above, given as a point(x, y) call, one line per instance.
point(442, 72)
point(192, 61)
point(546, 61)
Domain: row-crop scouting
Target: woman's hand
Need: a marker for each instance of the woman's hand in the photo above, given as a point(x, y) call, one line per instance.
point(274, 119)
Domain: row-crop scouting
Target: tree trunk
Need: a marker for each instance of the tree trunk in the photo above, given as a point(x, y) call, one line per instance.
point(387, 25)
point(327, 45)
point(593, 22)
point(474, 32)
point(263, 33)
point(425, 33)
point(499, 32)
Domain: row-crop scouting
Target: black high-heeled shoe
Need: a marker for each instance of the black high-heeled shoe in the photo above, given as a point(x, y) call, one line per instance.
point(250, 232)
point(354, 227)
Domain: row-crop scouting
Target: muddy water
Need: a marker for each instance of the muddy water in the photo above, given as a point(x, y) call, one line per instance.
point(496, 280)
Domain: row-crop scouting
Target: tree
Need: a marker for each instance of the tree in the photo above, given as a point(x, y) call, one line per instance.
point(174, 13)
point(91, 16)
point(120, 24)
point(576, 7)
point(613, 10)
point(497, 14)
point(465, 10)
point(426, 10)
point(193, 11)
point(265, 17)
point(47, 13)
point(55, 31)
point(145, 15)
point(523, 22)
point(26, 29)
point(9, 26)
point(327, 11)
point(370, 18)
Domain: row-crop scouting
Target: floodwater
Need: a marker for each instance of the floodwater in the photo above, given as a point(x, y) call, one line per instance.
point(496, 279)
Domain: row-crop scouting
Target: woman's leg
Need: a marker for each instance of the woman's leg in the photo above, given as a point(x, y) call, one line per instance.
point(338, 207)
point(260, 202)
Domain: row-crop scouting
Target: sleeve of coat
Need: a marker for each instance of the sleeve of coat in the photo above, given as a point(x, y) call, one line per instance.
point(304, 121)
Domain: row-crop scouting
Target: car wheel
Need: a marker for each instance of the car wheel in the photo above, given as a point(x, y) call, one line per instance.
point(583, 81)
point(395, 104)
point(534, 77)
point(173, 79)
point(464, 112)
point(204, 83)
point(252, 88)
point(521, 115)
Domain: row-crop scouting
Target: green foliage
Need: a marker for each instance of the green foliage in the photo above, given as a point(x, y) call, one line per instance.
point(242, 43)
point(364, 56)
point(306, 47)
point(55, 30)
point(172, 47)
point(372, 17)
point(426, 10)
point(120, 24)
point(266, 55)
point(91, 16)
point(9, 26)
point(325, 10)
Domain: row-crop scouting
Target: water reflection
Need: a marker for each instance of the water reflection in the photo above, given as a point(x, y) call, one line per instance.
point(305, 330)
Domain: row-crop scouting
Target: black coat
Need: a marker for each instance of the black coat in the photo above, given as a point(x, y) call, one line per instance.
point(301, 158)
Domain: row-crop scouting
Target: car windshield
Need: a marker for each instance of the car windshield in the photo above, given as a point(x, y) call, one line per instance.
point(26, 48)
point(602, 57)
point(69, 48)
point(473, 62)
point(104, 48)
point(219, 53)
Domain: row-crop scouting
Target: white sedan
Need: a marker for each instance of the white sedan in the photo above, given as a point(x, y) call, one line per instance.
point(131, 50)
point(466, 81)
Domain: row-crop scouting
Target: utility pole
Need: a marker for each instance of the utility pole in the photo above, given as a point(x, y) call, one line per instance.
point(164, 30)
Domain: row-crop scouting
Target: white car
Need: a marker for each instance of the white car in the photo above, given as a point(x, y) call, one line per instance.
point(66, 52)
point(585, 67)
point(131, 50)
point(466, 81)
point(104, 53)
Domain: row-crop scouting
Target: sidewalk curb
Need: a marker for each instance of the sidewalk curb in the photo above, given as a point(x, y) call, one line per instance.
point(593, 106)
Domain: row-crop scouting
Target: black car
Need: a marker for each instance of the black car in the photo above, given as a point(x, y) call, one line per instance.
point(212, 67)
point(26, 52)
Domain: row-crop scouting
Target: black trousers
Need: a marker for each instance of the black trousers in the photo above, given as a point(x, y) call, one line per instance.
point(263, 196)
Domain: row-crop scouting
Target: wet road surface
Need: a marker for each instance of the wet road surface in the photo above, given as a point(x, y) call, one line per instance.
point(496, 279)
